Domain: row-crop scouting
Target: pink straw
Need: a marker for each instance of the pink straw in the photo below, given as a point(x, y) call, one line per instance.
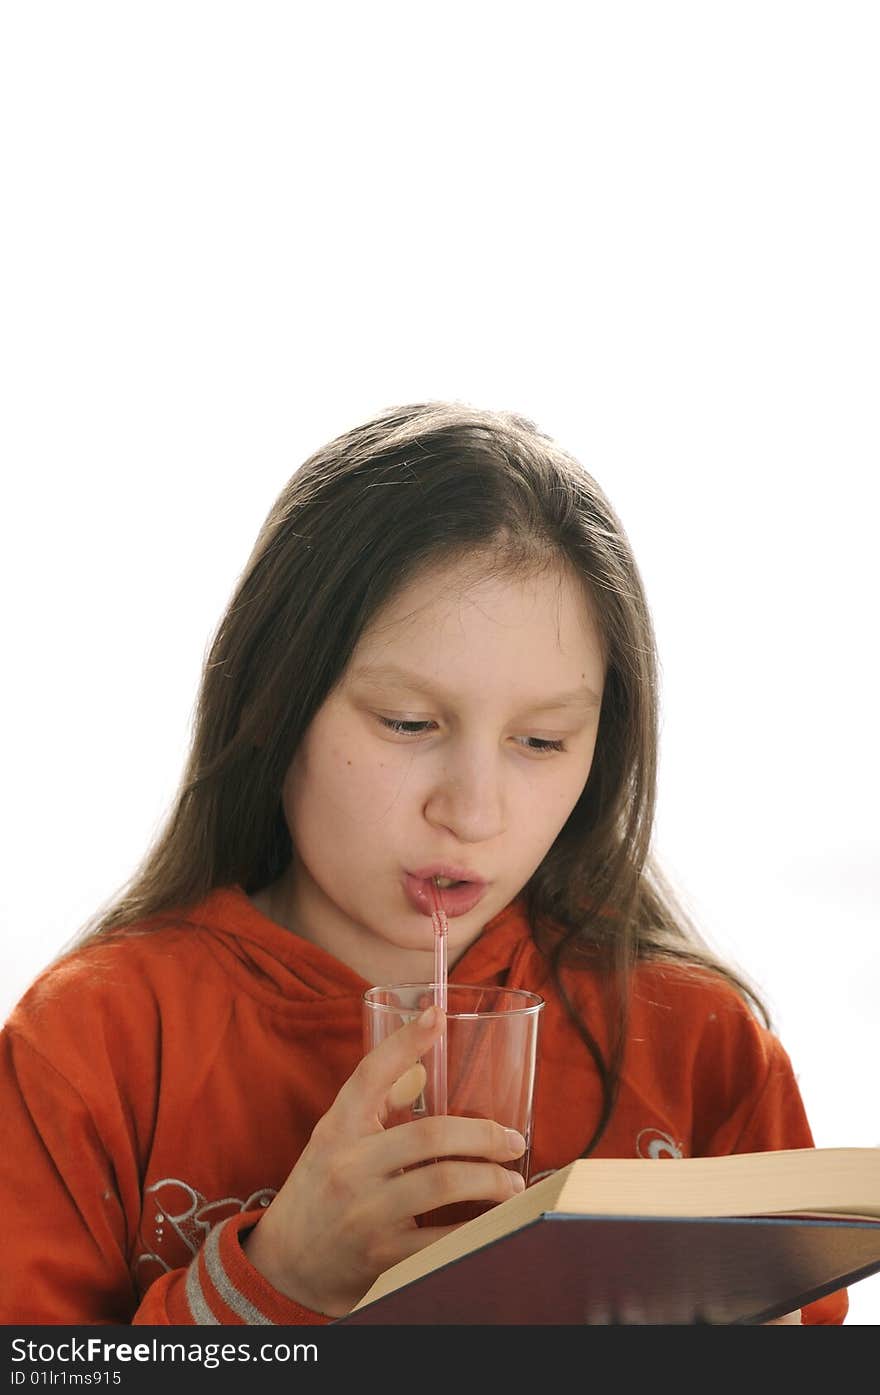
point(441, 931)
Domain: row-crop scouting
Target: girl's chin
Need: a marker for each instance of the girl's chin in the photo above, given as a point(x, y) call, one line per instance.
point(410, 948)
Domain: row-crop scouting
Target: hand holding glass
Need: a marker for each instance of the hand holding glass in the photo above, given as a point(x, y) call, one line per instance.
point(490, 1045)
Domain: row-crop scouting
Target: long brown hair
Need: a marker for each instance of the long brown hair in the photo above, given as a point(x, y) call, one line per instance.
point(417, 485)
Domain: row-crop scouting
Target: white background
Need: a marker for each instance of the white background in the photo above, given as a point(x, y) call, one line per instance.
point(231, 231)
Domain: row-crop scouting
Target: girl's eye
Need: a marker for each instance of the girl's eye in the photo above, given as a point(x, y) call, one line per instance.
point(538, 743)
point(404, 728)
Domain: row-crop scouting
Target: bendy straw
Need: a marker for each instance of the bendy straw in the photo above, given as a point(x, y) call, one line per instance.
point(441, 931)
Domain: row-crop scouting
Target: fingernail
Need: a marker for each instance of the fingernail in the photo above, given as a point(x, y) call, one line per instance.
point(516, 1142)
point(428, 1017)
point(517, 1181)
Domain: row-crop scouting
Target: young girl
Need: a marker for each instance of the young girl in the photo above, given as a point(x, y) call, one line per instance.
point(438, 663)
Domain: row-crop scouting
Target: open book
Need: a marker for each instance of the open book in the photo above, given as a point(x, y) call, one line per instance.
point(736, 1239)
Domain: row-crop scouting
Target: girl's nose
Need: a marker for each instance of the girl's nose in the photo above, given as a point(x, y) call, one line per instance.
point(467, 797)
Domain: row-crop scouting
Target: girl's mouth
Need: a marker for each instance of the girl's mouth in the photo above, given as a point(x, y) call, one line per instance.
point(457, 898)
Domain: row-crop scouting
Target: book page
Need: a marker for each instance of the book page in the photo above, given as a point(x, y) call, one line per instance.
point(789, 1182)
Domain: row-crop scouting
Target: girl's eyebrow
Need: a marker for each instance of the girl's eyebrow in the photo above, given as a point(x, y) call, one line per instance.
point(582, 696)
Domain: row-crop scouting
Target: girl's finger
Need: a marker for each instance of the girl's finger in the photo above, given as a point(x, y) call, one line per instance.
point(407, 1088)
point(446, 1182)
point(361, 1103)
point(440, 1136)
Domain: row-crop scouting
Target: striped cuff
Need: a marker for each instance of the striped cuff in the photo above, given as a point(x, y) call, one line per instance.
point(223, 1288)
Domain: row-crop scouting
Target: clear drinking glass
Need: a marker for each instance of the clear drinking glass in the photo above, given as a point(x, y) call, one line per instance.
point(491, 1045)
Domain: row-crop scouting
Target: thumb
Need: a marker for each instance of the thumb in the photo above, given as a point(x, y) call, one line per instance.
point(406, 1089)
point(363, 1099)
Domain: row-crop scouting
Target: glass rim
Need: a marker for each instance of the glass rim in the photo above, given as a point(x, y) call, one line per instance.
point(534, 1002)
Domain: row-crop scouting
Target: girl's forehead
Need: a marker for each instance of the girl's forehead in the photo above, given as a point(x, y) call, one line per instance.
point(461, 603)
point(448, 587)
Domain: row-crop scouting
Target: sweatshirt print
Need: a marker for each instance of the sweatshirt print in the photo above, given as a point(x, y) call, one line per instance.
point(157, 1089)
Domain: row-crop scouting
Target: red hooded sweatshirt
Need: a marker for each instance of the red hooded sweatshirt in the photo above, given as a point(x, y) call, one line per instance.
point(157, 1089)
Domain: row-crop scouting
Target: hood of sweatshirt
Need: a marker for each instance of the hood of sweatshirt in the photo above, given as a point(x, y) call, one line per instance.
point(271, 960)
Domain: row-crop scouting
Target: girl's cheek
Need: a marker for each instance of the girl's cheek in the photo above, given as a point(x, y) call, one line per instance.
point(373, 781)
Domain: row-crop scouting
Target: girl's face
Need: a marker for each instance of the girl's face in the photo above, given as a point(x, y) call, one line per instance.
point(456, 744)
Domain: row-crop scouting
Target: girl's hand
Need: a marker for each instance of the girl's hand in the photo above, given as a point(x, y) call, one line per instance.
point(346, 1212)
